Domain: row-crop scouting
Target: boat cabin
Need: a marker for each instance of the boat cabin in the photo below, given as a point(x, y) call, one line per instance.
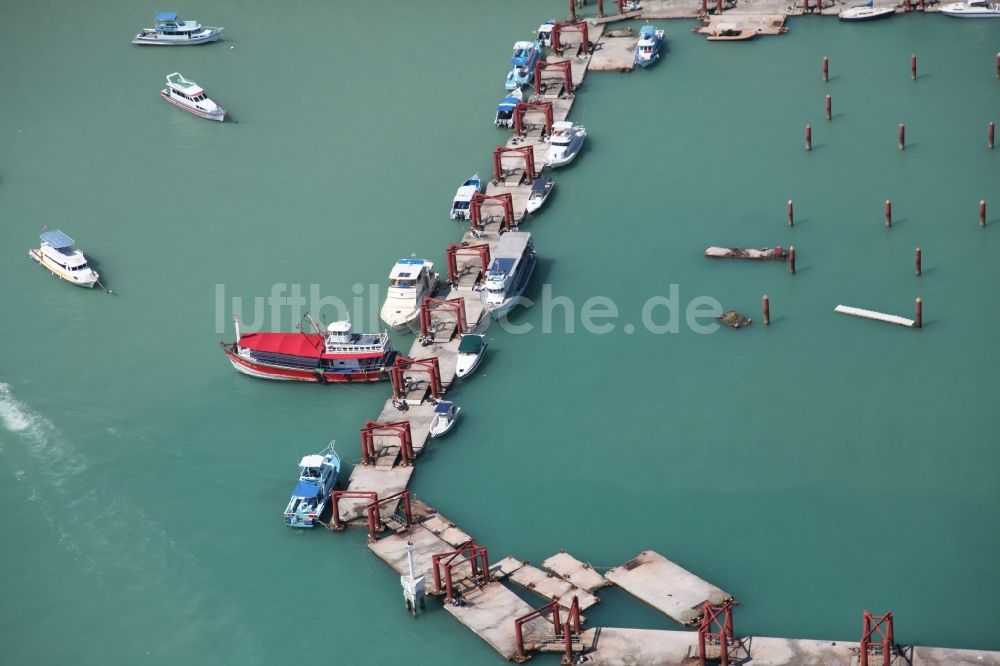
point(408, 275)
point(470, 344)
point(58, 248)
point(525, 54)
point(170, 23)
point(545, 33)
point(508, 259)
point(182, 87)
point(562, 133)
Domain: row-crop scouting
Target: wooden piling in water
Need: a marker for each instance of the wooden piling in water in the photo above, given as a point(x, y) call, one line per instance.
point(767, 310)
point(829, 107)
point(791, 260)
point(809, 137)
point(918, 314)
point(888, 213)
point(791, 214)
point(902, 136)
point(982, 213)
point(913, 66)
point(917, 258)
point(826, 69)
point(990, 132)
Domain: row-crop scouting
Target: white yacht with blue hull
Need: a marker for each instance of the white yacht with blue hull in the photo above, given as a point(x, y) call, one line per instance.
point(317, 478)
point(509, 273)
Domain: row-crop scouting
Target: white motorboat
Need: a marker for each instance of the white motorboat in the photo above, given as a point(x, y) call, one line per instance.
point(445, 415)
point(540, 191)
point(169, 30)
point(545, 34)
point(66, 262)
point(866, 12)
point(471, 349)
point(463, 197)
point(972, 9)
point(189, 96)
point(647, 50)
point(410, 282)
point(565, 143)
point(509, 273)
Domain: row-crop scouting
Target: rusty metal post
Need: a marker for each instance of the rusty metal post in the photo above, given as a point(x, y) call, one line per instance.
point(791, 260)
point(918, 315)
point(447, 581)
point(574, 614)
point(982, 212)
point(888, 213)
point(372, 528)
point(335, 516)
point(826, 69)
point(917, 253)
point(829, 107)
point(809, 137)
point(791, 214)
point(518, 642)
point(990, 132)
point(913, 66)
point(572, 10)
point(407, 509)
point(902, 136)
point(568, 644)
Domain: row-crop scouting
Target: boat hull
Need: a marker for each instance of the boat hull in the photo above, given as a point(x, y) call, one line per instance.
point(196, 111)
point(978, 15)
point(259, 370)
point(439, 427)
point(465, 367)
point(153, 38)
point(875, 15)
point(399, 324)
point(504, 308)
point(87, 282)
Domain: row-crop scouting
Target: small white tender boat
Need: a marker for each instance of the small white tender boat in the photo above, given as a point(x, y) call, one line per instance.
point(540, 191)
point(545, 33)
point(66, 262)
point(565, 143)
point(445, 415)
point(866, 12)
point(410, 282)
point(189, 96)
point(463, 197)
point(169, 30)
point(471, 349)
point(972, 9)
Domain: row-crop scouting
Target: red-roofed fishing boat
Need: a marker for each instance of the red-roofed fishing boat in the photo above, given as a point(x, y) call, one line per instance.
point(335, 356)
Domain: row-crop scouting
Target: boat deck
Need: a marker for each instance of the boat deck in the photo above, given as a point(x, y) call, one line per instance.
point(667, 587)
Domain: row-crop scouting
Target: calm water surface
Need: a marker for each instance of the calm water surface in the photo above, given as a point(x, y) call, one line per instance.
point(814, 468)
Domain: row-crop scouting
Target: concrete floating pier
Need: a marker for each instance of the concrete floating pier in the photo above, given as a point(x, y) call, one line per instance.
point(667, 587)
point(576, 572)
point(545, 584)
point(615, 53)
point(490, 611)
point(877, 316)
point(391, 549)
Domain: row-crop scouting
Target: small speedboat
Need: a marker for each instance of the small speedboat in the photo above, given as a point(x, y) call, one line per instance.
point(866, 12)
point(189, 96)
point(972, 9)
point(505, 109)
point(522, 64)
point(169, 30)
point(565, 143)
point(647, 50)
point(410, 282)
point(471, 349)
point(445, 415)
point(463, 197)
point(545, 34)
point(66, 262)
point(317, 478)
point(540, 191)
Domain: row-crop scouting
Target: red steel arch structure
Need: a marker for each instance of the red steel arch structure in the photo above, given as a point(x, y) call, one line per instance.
point(564, 67)
point(456, 305)
point(479, 200)
point(527, 153)
point(451, 257)
point(715, 630)
point(398, 429)
point(878, 627)
point(469, 553)
point(565, 630)
point(523, 108)
point(570, 26)
point(428, 365)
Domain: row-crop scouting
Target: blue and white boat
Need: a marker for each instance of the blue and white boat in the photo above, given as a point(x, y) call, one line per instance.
point(505, 109)
point(647, 50)
point(866, 12)
point(463, 197)
point(317, 478)
point(445, 415)
point(169, 30)
point(509, 273)
point(522, 64)
point(972, 9)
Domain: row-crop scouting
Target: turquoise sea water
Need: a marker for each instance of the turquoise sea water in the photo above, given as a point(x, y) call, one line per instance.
point(814, 468)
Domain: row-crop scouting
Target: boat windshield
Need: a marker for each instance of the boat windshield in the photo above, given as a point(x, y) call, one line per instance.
point(560, 139)
point(402, 284)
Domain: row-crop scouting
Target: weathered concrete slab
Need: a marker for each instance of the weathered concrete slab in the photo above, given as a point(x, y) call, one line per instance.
point(576, 572)
point(611, 646)
point(490, 613)
point(381, 480)
point(551, 586)
point(667, 587)
point(615, 54)
point(762, 24)
point(391, 549)
point(446, 530)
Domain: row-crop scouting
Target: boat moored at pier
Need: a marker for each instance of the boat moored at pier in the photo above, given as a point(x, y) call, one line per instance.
point(544, 36)
point(445, 415)
point(58, 254)
point(463, 197)
point(866, 12)
point(522, 64)
point(336, 355)
point(317, 478)
point(972, 9)
point(471, 349)
point(565, 143)
point(647, 50)
point(169, 30)
point(541, 188)
point(189, 96)
point(509, 273)
point(410, 282)
point(505, 109)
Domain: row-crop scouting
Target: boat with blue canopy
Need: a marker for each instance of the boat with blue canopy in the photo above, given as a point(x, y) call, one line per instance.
point(445, 415)
point(522, 64)
point(169, 30)
point(505, 109)
point(317, 478)
point(58, 254)
point(647, 50)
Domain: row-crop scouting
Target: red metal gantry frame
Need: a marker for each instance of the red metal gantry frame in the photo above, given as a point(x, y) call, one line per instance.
point(716, 628)
point(372, 508)
point(525, 152)
point(563, 66)
point(880, 627)
point(479, 200)
point(400, 429)
point(570, 26)
point(469, 553)
point(451, 256)
point(523, 108)
point(600, 8)
point(457, 305)
point(565, 630)
point(428, 365)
